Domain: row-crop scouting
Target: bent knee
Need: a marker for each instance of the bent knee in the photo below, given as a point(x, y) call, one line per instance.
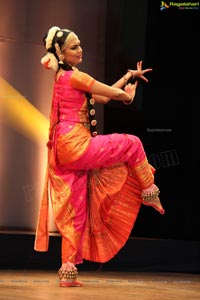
point(136, 140)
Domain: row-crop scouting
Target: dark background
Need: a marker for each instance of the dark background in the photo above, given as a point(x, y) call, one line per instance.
point(161, 114)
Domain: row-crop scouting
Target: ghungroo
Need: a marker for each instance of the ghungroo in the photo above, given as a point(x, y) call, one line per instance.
point(67, 274)
point(150, 195)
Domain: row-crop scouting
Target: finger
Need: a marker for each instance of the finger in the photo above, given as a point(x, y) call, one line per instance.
point(145, 79)
point(138, 67)
point(148, 70)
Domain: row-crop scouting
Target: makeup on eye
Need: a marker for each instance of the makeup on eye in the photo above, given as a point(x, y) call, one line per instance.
point(75, 47)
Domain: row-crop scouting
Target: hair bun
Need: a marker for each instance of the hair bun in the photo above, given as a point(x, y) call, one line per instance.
point(49, 61)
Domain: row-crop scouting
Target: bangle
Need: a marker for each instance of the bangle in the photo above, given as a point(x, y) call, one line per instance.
point(131, 71)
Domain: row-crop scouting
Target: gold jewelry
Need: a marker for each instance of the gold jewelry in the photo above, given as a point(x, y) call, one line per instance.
point(61, 58)
point(93, 122)
point(150, 196)
point(65, 274)
point(92, 101)
point(94, 133)
point(91, 111)
point(131, 71)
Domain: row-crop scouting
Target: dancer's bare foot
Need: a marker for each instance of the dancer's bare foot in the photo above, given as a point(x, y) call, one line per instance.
point(150, 198)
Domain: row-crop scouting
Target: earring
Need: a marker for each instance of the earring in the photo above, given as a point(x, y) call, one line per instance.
point(61, 58)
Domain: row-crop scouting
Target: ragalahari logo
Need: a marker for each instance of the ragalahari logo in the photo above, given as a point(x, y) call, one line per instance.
point(163, 5)
point(179, 5)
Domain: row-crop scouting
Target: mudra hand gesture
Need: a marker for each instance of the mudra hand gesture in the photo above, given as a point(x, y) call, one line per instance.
point(139, 73)
point(130, 89)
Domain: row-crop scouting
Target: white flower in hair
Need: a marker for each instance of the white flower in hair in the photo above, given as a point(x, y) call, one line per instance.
point(50, 36)
point(49, 61)
point(59, 34)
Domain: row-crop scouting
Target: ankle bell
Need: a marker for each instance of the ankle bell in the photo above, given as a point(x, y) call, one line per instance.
point(65, 274)
point(150, 195)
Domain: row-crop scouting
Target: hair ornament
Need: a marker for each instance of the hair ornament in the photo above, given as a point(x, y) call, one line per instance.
point(46, 64)
point(50, 36)
point(59, 33)
point(49, 61)
point(59, 53)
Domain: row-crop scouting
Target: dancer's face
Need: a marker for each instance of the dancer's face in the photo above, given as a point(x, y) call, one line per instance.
point(73, 52)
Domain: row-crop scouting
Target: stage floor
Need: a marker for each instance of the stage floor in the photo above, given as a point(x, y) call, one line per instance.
point(99, 285)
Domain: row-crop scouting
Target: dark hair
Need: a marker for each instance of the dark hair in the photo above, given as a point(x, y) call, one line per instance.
point(91, 113)
point(60, 40)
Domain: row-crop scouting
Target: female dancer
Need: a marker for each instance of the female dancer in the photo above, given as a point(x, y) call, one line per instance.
point(96, 183)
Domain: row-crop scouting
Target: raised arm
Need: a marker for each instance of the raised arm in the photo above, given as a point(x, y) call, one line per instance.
point(122, 82)
point(102, 93)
